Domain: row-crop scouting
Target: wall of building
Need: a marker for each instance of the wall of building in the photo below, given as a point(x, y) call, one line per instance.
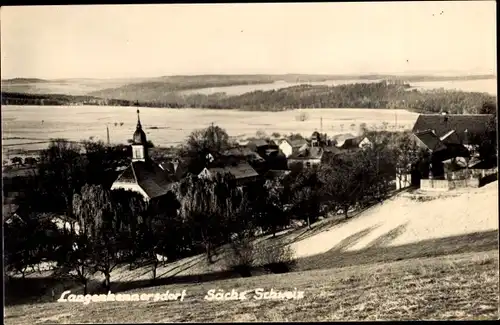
point(286, 148)
point(306, 163)
point(365, 142)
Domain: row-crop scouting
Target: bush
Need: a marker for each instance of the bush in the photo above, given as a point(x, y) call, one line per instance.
point(302, 117)
point(240, 257)
point(277, 258)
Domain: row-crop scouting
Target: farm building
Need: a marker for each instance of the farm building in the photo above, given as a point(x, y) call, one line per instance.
point(175, 167)
point(307, 158)
point(356, 143)
point(339, 139)
point(143, 175)
point(240, 170)
point(261, 144)
point(465, 126)
point(288, 147)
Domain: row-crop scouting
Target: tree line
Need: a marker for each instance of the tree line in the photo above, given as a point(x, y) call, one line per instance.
point(385, 94)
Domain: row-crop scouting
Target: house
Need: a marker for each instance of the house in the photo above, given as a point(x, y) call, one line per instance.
point(356, 143)
point(438, 150)
point(465, 126)
point(261, 144)
point(307, 158)
point(242, 151)
point(320, 140)
point(175, 168)
point(339, 139)
point(143, 175)
point(429, 141)
point(240, 170)
point(288, 147)
point(62, 222)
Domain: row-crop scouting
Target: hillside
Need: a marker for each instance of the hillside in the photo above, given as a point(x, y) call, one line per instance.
point(401, 226)
point(128, 88)
point(403, 260)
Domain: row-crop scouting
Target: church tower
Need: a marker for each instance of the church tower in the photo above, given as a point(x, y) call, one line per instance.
point(139, 143)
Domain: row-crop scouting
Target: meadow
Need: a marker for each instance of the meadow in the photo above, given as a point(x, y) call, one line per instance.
point(27, 127)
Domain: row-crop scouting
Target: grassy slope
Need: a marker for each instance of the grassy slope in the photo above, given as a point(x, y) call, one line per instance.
point(461, 286)
point(433, 282)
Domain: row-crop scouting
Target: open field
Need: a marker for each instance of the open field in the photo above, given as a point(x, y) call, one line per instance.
point(481, 85)
point(23, 128)
point(74, 87)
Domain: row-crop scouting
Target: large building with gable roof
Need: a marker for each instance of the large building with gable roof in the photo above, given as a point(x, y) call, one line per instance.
point(143, 175)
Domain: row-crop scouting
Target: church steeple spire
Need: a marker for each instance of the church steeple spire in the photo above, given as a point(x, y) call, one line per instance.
point(139, 142)
point(139, 126)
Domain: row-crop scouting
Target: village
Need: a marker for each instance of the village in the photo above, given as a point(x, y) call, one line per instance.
point(450, 140)
point(339, 174)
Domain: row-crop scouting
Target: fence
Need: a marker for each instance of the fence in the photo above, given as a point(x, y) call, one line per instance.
point(461, 179)
point(446, 185)
point(471, 173)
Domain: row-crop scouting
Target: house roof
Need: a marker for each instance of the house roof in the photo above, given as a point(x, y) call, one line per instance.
point(445, 136)
point(277, 173)
point(310, 153)
point(430, 140)
point(149, 176)
point(243, 152)
point(296, 143)
point(343, 137)
point(176, 172)
point(443, 124)
point(261, 143)
point(8, 209)
point(333, 150)
point(239, 170)
point(353, 142)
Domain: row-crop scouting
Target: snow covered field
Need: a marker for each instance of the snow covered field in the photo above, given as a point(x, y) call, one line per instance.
point(405, 221)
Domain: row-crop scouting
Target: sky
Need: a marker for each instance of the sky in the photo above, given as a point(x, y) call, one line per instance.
point(122, 41)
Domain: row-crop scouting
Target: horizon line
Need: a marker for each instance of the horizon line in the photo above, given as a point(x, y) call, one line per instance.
point(399, 74)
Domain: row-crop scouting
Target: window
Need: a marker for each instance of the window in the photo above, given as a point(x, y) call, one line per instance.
point(138, 153)
point(308, 164)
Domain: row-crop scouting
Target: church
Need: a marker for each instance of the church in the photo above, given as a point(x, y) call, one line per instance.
point(143, 175)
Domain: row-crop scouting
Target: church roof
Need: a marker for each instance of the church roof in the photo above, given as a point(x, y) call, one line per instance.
point(149, 176)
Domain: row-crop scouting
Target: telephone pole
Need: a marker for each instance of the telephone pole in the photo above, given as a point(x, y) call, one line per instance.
point(107, 133)
point(321, 124)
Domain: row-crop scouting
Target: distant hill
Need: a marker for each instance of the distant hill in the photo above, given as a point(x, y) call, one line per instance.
point(396, 94)
point(161, 88)
point(24, 80)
